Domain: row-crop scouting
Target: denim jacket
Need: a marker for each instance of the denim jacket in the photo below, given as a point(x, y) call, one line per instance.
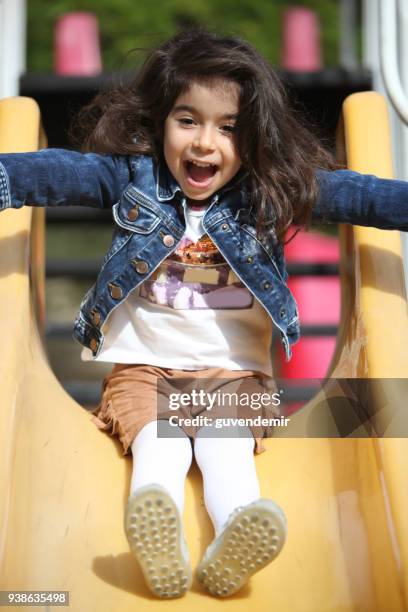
point(148, 224)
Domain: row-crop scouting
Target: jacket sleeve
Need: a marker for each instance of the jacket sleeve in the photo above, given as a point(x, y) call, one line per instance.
point(60, 177)
point(346, 196)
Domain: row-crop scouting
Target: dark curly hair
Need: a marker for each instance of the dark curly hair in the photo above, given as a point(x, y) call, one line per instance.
point(279, 152)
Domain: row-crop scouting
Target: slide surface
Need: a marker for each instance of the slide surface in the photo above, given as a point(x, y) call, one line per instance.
point(64, 484)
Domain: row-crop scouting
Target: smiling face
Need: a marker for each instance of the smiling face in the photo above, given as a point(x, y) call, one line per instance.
point(199, 142)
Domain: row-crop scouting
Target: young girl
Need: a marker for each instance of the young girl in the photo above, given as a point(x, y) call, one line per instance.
point(204, 166)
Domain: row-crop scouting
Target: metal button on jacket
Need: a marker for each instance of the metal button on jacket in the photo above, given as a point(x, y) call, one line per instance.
point(96, 317)
point(93, 344)
point(168, 240)
point(115, 291)
point(133, 213)
point(140, 266)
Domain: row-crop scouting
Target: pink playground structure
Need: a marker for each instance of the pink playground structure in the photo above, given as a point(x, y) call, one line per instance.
point(76, 45)
point(301, 40)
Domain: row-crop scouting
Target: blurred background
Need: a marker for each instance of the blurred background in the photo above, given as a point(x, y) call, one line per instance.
point(70, 49)
point(125, 24)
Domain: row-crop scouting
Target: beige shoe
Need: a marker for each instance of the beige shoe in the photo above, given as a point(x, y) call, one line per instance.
point(155, 534)
point(251, 538)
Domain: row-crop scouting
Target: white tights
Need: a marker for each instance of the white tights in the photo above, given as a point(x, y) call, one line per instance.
point(226, 463)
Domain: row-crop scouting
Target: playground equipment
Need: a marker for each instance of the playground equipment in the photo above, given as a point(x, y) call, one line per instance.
point(63, 485)
point(318, 299)
point(76, 45)
point(12, 45)
point(385, 52)
point(301, 40)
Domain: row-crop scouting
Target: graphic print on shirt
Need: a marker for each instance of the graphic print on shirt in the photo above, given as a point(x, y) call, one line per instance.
point(196, 277)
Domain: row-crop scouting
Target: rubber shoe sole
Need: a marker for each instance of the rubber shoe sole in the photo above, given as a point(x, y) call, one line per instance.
point(252, 537)
point(155, 535)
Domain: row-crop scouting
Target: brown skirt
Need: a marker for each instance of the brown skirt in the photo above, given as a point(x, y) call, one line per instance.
point(136, 394)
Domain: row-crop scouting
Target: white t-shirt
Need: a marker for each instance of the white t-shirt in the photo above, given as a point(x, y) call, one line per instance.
point(192, 313)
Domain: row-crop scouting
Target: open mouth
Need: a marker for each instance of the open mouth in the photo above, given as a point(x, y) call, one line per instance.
point(199, 175)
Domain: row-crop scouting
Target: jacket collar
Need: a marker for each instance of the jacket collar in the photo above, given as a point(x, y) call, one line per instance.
point(167, 186)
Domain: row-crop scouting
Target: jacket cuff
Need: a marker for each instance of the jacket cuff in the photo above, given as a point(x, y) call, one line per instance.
point(5, 195)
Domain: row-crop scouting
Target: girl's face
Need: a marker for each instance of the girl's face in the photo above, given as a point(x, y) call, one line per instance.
point(200, 129)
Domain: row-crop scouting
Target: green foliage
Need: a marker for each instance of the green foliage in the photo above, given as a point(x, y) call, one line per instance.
point(127, 24)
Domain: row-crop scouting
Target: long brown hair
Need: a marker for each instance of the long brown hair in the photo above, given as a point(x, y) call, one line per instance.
point(279, 152)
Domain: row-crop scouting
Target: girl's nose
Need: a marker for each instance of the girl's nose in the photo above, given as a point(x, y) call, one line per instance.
point(205, 139)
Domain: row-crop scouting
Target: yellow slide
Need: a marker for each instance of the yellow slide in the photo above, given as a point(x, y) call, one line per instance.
point(64, 484)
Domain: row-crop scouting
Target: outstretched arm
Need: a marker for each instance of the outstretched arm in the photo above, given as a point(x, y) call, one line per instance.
point(59, 177)
point(346, 196)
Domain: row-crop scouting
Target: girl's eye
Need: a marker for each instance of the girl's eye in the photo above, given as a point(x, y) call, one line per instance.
point(186, 120)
